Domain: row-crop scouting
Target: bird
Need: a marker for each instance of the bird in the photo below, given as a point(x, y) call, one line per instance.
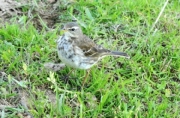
point(77, 50)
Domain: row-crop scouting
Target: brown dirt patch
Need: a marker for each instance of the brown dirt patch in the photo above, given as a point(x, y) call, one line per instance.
point(41, 14)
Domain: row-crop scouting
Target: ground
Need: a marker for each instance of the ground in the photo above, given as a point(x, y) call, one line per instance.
point(146, 85)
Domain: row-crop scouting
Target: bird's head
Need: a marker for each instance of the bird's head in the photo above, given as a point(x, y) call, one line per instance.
point(72, 30)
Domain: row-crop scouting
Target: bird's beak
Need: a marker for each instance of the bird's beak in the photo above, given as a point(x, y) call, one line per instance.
point(63, 31)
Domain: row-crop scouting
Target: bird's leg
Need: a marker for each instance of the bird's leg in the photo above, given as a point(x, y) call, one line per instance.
point(85, 77)
point(70, 72)
point(67, 76)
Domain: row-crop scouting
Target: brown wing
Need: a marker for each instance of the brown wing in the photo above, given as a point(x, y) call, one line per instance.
point(91, 49)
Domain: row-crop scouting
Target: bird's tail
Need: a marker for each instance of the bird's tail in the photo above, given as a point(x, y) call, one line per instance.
point(117, 53)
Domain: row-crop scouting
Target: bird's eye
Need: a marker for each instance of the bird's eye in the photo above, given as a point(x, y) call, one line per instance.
point(72, 29)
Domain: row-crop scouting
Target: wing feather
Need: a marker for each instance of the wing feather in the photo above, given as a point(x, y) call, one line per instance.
point(91, 49)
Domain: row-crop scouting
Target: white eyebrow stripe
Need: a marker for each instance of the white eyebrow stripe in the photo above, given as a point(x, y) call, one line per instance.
point(75, 27)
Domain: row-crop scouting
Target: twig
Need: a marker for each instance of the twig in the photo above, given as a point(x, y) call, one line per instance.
point(157, 19)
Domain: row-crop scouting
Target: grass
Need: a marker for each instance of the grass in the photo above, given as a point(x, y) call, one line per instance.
point(147, 85)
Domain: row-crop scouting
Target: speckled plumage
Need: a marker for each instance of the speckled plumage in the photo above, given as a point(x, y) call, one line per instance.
point(78, 51)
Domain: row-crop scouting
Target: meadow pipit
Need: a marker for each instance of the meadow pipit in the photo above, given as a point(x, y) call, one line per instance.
point(78, 51)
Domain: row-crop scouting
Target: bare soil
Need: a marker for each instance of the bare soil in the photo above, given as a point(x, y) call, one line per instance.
point(41, 13)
